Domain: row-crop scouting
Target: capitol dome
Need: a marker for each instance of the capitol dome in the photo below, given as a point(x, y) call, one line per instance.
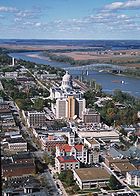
point(67, 81)
point(67, 77)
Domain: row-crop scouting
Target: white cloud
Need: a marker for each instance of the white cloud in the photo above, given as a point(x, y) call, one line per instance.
point(27, 14)
point(38, 24)
point(114, 6)
point(131, 4)
point(8, 9)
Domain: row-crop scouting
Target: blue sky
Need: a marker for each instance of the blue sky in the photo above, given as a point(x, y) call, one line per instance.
point(70, 19)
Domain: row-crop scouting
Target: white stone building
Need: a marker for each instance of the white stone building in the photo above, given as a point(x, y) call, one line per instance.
point(63, 163)
point(94, 150)
point(133, 178)
point(68, 102)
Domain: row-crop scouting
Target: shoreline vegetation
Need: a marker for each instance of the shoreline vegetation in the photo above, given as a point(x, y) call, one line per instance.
point(129, 59)
point(129, 71)
point(109, 112)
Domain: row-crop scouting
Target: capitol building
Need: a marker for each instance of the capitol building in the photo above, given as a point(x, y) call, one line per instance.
point(68, 101)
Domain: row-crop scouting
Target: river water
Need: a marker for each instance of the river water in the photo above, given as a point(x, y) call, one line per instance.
point(108, 81)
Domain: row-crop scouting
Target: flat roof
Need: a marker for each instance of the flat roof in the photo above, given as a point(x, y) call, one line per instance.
point(16, 140)
point(89, 174)
point(22, 155)
point(18, 165)
point(98, 134)
point(124, 167)
point(92, 141)
point(116, 160)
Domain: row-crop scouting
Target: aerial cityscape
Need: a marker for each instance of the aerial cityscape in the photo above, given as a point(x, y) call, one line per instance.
point(70, 98)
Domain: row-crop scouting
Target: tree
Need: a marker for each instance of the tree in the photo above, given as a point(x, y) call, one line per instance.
point(67, 177)
point(2, 94)
point(114, 183)
point(38, 104)
point(90, 97)
point(123, 132)
point(46, 159)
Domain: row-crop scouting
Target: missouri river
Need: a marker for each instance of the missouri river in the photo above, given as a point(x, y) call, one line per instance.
point(108, 81)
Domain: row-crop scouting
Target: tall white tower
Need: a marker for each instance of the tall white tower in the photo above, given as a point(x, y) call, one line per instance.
point(13, 61)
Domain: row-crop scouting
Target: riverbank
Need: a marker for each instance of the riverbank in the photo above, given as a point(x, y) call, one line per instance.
point(126, 58)
point(103, 78)
point(129, 73)
point(38, 56)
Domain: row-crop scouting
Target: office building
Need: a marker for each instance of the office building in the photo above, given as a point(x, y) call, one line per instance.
point(36, 119)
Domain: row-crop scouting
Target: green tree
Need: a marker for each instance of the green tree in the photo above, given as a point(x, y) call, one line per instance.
point(67, 177)
point(38, 104)
point(114, 183)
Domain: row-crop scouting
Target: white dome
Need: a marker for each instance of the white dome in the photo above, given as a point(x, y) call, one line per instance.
point(66, 81)
point(67, 77)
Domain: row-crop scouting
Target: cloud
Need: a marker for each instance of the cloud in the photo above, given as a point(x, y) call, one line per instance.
point(131, 4)
point(37, 24)
point(8, 9)
point(28, 14)
point(114, 6)
point(106, 20)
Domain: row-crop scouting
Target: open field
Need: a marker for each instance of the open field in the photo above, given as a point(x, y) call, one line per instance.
point(41, 47)
point(129, 58)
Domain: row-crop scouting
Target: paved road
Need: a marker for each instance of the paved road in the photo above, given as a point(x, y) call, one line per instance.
point(58, 181)
point(38, 82)
point(52, 188)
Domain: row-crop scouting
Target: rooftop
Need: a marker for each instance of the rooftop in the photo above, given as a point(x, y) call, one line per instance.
point(125, 167)
point(66, 159)
point(67, 147)
point(22, 155)
point(78, 147)
point(104, 134)
point(16, 140)
point(89, 174)
point(92, 141)
point(132, 152)
point(135, 173)
point(18, 165)
point(116, 160)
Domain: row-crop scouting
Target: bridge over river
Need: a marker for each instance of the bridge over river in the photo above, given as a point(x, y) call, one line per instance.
point(97, 67)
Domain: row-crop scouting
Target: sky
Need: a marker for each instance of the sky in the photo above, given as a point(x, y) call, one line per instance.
point(70, 19)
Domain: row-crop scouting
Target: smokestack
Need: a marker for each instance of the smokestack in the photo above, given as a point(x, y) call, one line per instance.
point(13, 61)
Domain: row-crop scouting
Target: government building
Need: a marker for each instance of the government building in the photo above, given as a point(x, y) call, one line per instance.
point(68, 102)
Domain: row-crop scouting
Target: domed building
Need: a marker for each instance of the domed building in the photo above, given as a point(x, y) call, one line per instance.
point(68, 102)
point(67, 82)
